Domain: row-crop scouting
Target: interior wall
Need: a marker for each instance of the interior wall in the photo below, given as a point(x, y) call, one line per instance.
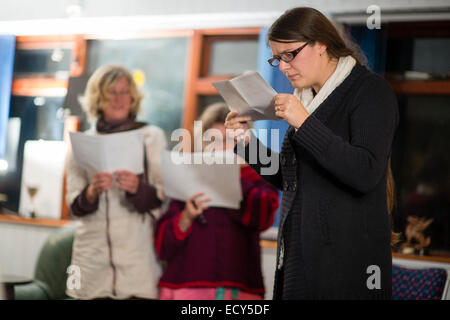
point(54, 9)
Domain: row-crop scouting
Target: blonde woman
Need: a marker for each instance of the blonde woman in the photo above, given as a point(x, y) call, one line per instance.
point(112, 246)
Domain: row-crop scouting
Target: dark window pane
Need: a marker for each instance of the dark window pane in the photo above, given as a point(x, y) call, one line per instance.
point(40, 116)
point(429, 55)
point(422, 169)
point(42, 61)
point(233, 57)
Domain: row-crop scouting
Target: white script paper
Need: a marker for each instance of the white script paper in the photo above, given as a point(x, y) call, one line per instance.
point(109, 152)
point(182, 179)
point(250, 95)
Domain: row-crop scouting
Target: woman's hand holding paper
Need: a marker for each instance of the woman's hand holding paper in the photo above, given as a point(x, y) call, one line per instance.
point(289, 108)
point(127, 181)
point(194, 207)
point(101, 182)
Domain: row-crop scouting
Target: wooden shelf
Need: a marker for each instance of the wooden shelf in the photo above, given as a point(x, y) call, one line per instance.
point(421, 258)
point(421, 87)
point(268, 244)
point(442, 259)
point(42, 222)
point(40, 87)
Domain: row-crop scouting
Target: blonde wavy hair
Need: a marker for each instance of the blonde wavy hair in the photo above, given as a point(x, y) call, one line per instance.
point(95, 98)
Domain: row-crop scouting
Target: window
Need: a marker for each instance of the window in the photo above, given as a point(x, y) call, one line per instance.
point(158, 64)
point(215, 55)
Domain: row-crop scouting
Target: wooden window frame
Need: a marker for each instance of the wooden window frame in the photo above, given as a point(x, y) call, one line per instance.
point(199, 80)
point(51, 86)
point(424, 29)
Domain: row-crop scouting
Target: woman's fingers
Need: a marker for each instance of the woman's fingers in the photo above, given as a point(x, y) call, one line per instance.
point(123, 175)
point(202, 201)
point(242, 120)
point(231, 115)
point(196, 205)
point(237, 126)
point(281, 98)
point(103, 175)
point(127, 181)
point(197, 195)
point(101, 186)
point(191, 204)
point(102, 181)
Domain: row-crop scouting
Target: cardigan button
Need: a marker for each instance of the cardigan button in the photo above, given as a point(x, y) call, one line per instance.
point(294, 161)
point(294, 186)
point(285, 186)
point(283, 160)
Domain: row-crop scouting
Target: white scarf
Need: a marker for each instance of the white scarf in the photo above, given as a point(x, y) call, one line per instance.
point(305, 95)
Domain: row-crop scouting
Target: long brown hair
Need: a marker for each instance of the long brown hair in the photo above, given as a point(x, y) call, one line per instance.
point(305, 24)
point(391, 202)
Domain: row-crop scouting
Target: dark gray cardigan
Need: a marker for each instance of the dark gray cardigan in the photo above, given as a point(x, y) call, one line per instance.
point(336, 178)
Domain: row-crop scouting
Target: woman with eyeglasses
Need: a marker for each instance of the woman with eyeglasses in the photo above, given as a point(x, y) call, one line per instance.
point(113, 246)
point(334, 233)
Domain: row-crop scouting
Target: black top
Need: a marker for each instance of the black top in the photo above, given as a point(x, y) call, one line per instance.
point(334, 209)
point(294, 281)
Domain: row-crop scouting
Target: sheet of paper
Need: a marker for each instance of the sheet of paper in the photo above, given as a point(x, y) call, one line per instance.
point(109, 152)
point(250, 95)
point(220, 182)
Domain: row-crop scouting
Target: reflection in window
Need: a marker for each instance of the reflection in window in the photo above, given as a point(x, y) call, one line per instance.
point(233, 57)
point(40, 114)
point(40, 118)
point(423, 171)
point(428, 56)
point(431, 55)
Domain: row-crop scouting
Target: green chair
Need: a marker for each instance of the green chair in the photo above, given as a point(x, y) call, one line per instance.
point(50, 274)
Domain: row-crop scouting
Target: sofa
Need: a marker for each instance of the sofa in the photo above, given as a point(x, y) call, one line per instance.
point(50, 275)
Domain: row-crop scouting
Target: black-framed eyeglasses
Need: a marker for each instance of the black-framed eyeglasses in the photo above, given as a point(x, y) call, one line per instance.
point(285, 56)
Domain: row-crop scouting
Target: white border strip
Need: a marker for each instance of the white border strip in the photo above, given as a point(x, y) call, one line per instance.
point(361, 18)
point(130, 24)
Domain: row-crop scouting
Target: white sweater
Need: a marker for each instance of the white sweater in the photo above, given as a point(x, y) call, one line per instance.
point(127, 265)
